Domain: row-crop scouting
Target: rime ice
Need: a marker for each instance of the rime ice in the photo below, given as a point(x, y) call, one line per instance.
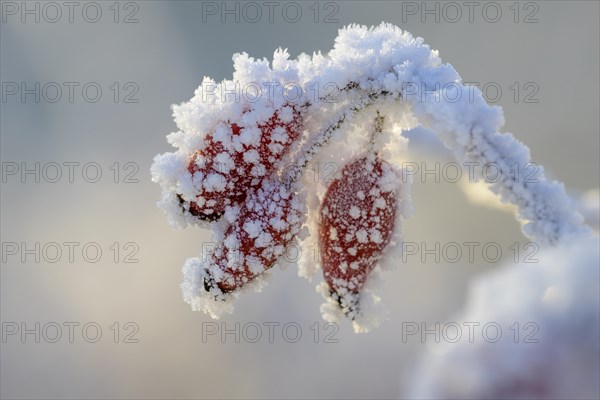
point(240, 166)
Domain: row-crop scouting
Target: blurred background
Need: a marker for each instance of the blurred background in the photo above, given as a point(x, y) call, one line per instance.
point(145, 56)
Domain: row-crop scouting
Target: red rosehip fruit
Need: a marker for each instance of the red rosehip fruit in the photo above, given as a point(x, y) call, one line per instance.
point(357, 219)
point(230, 164)
point(269, 220)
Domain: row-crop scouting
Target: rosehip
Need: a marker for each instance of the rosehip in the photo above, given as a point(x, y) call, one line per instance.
point(357, 218)
point(271, 217)
point(231, 164)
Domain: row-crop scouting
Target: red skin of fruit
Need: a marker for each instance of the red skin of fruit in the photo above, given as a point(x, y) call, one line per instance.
point(239, 180)
point(261, 207)
point(235, 194)
point(340, 247)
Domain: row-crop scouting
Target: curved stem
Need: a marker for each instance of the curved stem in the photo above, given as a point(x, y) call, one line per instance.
point(312, 148)
point(471, 129)
point(378, 128)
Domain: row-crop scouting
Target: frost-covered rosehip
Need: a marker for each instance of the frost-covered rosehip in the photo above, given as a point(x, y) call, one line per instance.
point(270, 219)
point(236, 159)
point(232, 170)
point(357, 219)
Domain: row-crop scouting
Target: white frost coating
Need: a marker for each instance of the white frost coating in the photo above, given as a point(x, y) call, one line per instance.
point(469, 126)
point(197, 297)
point(251, 156)
point(212, 302)
point(372, 310)
point(332, 157)
point(246, 249)
point(253, 228)
point(471, 130)
point(557, 356)
point(224, 161)
point(362, 236)
point(375, 236)
point(215, 183)
point(231, 213)
point(377, 71)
